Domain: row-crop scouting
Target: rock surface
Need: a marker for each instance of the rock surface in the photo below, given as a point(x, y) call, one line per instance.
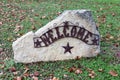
point(72, 34)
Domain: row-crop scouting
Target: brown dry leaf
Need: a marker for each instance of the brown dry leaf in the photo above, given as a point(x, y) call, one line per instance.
point(101, 19)
point(113, 14)
point(32, 20)
point(65, 75)
point(36, 73)
point(43, 17)
point(2, 66)
point(109, 36)
point(18, 28)
point(19, 34)
point(9, 39)
point(101, 9)
point(35, 78)
point(100, 70)
point(31, 75)
point(72, 69)
point(26, 69)
point(54, 78)
point(116, 44)
point(78, 71)
point(1, 73)
point(113, 73)
point(12, 69)
point(33, 28)
point(1, 50)
point(92, 74)
point(89, 70)
point(58, 13)
point(109, 25)
point(19, 78)
point(51, 76)
point(26, 74)
point(15, 73)
point(36, 14)
point(1, 23)
point(118, 54)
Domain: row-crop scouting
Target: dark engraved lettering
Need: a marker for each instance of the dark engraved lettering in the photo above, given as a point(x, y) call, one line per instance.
point(73, 31)
point(51, 36)
point(58, 33)
point(88, 35)
point(67, 30)
point(45, 39)
point(81, 33)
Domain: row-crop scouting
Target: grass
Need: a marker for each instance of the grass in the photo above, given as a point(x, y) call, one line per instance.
point(29, 14)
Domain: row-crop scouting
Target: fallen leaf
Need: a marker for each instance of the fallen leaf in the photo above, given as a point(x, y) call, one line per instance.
point(92, 74)
point(89, 70)
point(36, 14)
point(100, 70)
point(19, 78)
point(113, 14)
point(9, 39)
point(3, 53)
point(36, 73)
point(65, 75)
point(26, 74)
point(51, 76)
point(2, 66)
point(54, 78)
point(1, 50)
point(72, 69)
point(101, 9)
point(19, 34)
point(78, 71)
point(15, 73)
point(58, 13)
point(33, 27)
point(12, 69)
point(18, 28)
point(116, 44)
point(1, 23)
point(26, 69)
point(1, 73)
point(109, 36)
point(35, 78)
point(118, 54)
point(43, 17)
point(113, 73)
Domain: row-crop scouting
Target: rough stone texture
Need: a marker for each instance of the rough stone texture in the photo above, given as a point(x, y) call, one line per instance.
point(25, 51)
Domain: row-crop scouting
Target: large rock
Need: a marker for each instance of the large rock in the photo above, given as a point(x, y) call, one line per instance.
point(72, 34)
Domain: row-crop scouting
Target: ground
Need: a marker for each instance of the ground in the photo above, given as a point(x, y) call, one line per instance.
point(18, 17)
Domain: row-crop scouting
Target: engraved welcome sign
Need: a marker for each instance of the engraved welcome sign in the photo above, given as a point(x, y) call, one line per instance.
point(72, 34)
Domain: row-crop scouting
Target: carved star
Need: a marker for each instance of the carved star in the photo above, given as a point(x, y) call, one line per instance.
point(37, 43)
point(67, 48)
point(95, 41)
